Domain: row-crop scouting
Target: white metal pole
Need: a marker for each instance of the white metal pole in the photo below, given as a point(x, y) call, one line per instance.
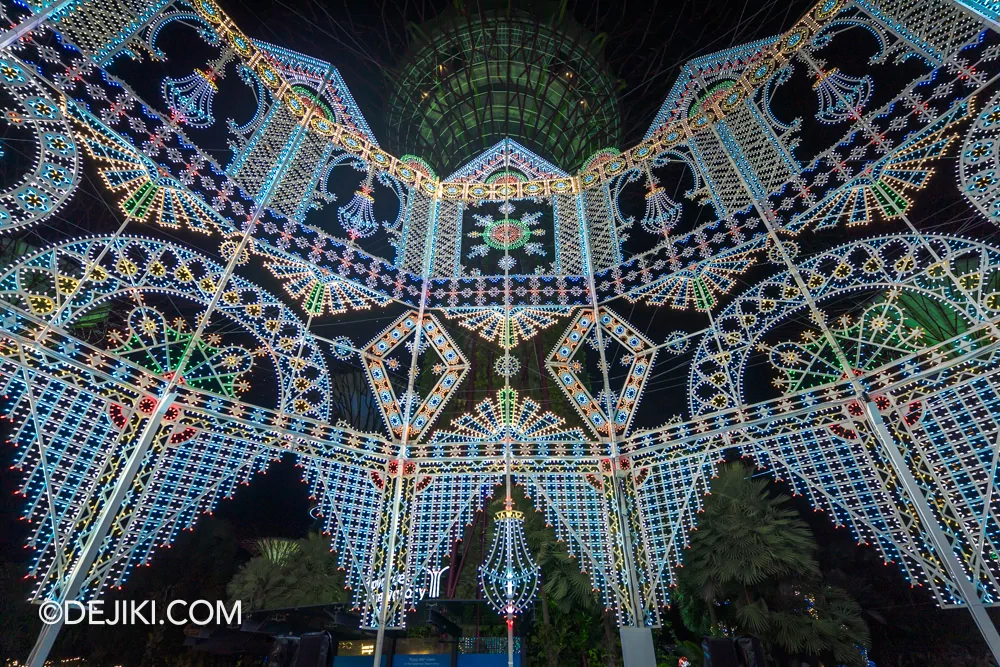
point(942, 546)
point(81, 568)
point(26, 26)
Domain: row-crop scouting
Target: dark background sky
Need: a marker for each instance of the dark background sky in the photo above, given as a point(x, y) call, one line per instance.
point(648, 40)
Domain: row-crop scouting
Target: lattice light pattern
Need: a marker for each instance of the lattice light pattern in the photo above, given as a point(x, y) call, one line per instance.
point(203, 376)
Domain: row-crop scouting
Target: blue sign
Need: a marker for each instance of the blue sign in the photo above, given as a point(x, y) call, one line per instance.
point(422, 660)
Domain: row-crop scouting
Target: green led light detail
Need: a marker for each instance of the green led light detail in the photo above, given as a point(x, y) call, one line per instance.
point(506, 234)
point(302, 91)
point(713, 91)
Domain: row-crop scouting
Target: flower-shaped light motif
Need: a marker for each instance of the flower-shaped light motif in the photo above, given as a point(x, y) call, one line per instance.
point(509, 576)
point(507, 234)
point(343, 348)
point(507, 366)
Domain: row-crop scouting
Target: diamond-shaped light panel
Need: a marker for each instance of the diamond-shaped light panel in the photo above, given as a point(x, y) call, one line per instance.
point(567, 365)
point(392, 351)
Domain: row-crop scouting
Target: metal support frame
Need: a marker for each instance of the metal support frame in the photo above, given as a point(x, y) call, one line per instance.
point(636, 611)
point(617, 509)
point(47, 636)
point(989, 21)
point(942, 546)
point(937, 537)
point(80, 570)
point(31, 23)
point(397, 487)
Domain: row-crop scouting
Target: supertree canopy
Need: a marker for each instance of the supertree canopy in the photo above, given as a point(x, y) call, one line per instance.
point(212, 263)
point(481, 73)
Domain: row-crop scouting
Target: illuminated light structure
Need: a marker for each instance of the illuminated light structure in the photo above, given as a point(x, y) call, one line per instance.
point(56, 171)
point(509, 576)
point(190, 98)
point(880, 354)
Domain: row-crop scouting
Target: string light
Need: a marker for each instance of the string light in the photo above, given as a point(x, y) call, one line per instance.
point(256, 385)
point(358, 216)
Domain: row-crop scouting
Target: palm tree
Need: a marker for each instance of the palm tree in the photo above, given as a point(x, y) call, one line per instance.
point(572, 616)
point(289, 573)
point(276, 550)
point(752, 568)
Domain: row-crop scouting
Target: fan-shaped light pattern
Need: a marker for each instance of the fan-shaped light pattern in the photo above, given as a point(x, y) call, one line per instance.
point(320, 291)
point(451, 367)
point(156, 345)
point(60, 283)
point(509, 576)
point(94, 402)
point(510, 417)
point(880, 335)
point(979, 165)
point(569, 371)
point(190, 98)
point(882, 186)
point(507, 329)
point(147, 192)
point(700, 283)
point(904, 263)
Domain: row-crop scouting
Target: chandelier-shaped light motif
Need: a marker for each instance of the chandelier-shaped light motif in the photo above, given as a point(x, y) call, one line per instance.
point(841, 97)
point(509, 576)
point(357, 217)
point(662, 212)
point(190, 98)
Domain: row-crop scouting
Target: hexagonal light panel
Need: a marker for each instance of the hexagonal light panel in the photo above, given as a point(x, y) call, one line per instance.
point(379, 359)
point(567, 369)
